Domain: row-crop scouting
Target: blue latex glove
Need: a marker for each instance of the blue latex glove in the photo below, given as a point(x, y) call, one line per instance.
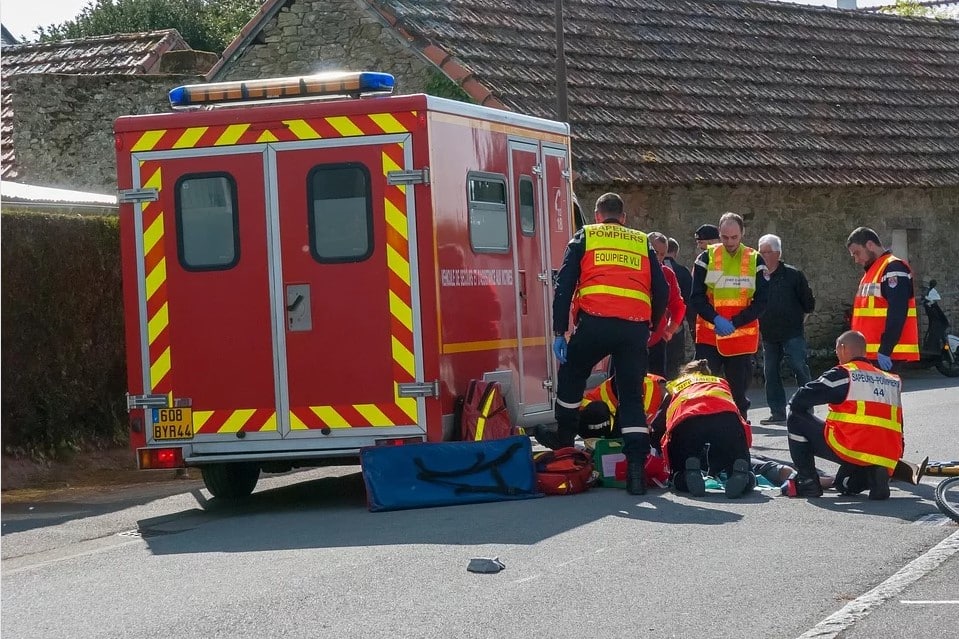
point(885, 362)
point(559, 349)
point(724, 327)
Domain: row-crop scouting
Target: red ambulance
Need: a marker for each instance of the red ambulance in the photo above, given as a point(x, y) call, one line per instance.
point(312, 266)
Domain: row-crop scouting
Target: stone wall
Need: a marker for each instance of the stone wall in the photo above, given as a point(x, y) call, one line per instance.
point(63, 124)
point(813, 224)
point(330, 35)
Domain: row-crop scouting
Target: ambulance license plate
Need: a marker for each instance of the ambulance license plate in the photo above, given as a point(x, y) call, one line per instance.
point(172, 423)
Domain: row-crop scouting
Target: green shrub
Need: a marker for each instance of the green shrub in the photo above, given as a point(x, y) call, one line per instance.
point(62, 320)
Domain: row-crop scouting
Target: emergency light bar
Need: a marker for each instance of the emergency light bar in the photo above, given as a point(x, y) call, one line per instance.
point(319, 85)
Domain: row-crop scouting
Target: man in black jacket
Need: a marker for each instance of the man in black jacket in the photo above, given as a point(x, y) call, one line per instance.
point(789, 300)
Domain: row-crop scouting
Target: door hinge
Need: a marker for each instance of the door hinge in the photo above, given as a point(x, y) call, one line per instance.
point(147, 401)
point(419, 389)
point(548, 384)
point(414, 176)
point(538, 170)
point(125, 196)
point(565, 173)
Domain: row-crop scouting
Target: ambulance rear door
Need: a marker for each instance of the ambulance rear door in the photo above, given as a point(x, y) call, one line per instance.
point(350, 351)
point(204, 290)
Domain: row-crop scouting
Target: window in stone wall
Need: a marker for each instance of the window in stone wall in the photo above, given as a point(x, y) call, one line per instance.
point(206, 221)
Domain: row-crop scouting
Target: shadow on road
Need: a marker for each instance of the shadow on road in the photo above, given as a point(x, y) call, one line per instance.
point(331, 512)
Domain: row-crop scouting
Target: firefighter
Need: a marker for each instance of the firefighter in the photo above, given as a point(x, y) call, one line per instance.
point(862, 432)
point(729, 295)
point(617, 288)
point(597, 411)
point(884, 309)
point(700, 428)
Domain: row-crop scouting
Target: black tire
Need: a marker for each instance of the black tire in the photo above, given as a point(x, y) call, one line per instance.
point(947, 498)
point(233, 481)
point(947, 367)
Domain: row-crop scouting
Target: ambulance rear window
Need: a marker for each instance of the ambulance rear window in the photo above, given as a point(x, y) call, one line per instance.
point(341, 213)
point(489, 223)
point(206, 222)
point(527, 206)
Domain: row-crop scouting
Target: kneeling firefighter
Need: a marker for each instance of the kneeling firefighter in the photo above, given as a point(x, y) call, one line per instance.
point(862, 432)
point(701, 428)
point(597, 411)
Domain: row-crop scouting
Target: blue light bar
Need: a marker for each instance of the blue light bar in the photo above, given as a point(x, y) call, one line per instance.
point(319, 85)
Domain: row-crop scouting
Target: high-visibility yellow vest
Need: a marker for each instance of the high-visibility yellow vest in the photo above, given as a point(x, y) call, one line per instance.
point(614, 278)
point(866, 428)
point(730, 286)
point(870, 309)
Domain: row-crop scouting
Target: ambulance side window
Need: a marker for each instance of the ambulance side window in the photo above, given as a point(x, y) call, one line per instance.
point(341, 213)
point(489, 222)
point(206, 222)
point(527, 206)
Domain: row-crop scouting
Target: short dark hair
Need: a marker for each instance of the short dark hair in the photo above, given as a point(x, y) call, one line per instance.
point(729, 216)
point(610, 204)
point(862, 235)
point(672, 246)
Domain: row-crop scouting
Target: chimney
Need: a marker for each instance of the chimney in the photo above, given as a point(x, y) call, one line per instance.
point(846, 4)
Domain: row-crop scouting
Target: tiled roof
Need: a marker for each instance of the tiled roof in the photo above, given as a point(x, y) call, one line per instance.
point(724, 91)
point(122, 53)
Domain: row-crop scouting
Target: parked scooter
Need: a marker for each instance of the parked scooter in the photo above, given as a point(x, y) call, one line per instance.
point(939, 348)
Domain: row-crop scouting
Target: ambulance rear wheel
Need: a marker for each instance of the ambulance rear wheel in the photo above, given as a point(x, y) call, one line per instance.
point(231, 481)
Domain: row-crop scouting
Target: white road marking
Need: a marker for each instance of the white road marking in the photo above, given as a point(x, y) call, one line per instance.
point(16, 565)
point(841, 620)
point(933, 519)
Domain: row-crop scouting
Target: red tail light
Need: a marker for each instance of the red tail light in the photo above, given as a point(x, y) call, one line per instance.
point(399, 441)
point(158, 458)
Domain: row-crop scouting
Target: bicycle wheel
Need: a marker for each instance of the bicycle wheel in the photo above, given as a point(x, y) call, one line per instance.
point(947, 498)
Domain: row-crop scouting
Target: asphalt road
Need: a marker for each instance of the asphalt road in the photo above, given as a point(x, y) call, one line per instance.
point(304, 558)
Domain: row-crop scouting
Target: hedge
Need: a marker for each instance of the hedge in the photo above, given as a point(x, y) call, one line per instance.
point(62, 321)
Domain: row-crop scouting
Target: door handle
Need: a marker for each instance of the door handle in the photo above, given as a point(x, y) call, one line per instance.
point(296, 303)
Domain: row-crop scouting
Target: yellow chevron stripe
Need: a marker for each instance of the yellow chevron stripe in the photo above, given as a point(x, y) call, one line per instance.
point(267, 136)
point(190, 137)
point(344, 126)
point(200, 417)
point(296, 423)
point(408, 406)
point(373, 414)
point(402, 356)
point(154, 181)
point(159, 368)
point(148, 140)
point(398, 264)
point(236, 420)
point(330, 417)
point(401, 311)
point(388, 123)
point(269, 425)
point(153, 234)
point(158, 322)
point(156, 278)
point(301, 129)
point(396, 219)
point(389, 164)
point(231, 134)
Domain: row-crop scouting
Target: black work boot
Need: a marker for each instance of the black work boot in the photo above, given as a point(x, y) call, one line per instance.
point(851, 479)
point(695, 481)
point(802, 486)
point(878, 483)
point(635, 477)
point(738, 479)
